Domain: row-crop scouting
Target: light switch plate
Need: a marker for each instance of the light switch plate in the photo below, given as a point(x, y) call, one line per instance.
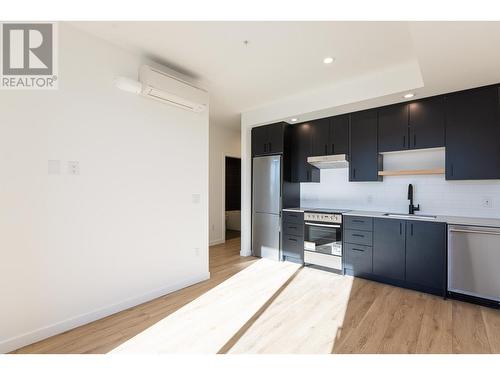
point(195, 198)
point(73, 168)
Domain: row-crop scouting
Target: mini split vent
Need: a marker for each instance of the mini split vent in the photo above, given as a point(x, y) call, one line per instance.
point(163, 87)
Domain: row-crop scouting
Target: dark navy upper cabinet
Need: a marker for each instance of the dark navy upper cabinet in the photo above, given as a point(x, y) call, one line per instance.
point(389, 248)
point(320, 131)
point(267, 139)
point(259, 140)
point(339, 135)
point(393, 132)
point(426, 123)
point(473, 134)
point(415, 125)
point(301, 148)
point(426, 254)
point(365, 161)
point(330, 136)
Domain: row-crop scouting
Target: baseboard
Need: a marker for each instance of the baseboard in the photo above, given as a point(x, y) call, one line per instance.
point(245, 253)
point(65, 325)
point(216, 242)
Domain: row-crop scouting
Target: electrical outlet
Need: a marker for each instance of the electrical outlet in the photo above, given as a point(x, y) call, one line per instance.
point(369, 199)
point(73, 168)
point(487, 202)
point(197, 251)
point(195, 198)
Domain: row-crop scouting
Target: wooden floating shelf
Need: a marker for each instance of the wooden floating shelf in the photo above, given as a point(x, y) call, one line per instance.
point(410, 172)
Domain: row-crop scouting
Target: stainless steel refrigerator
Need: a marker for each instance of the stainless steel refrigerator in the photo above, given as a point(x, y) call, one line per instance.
point(266, 206)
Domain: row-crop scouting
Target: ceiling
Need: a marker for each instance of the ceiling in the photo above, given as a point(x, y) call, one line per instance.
point(282, 59)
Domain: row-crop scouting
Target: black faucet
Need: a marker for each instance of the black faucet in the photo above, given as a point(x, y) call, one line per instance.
point(412, 208)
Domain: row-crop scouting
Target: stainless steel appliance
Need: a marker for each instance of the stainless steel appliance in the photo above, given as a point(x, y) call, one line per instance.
point(474, 261)
point(323, 239)
point(329, 161)
point(266, 206)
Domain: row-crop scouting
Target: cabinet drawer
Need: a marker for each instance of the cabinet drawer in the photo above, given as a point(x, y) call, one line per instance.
point(358, 237)
point(358, 258)
point(358, 222)
point(293, 229)
point(293, 246)
point(323, 260)
point(293, 217)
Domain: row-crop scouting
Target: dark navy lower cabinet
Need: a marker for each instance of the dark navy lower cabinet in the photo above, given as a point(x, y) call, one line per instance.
point(389, 248)
point(406, 253)
point(426, 254)
point(292, 236)
point(358, 259)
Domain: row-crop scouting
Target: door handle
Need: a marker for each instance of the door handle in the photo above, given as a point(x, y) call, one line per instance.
point(411, 229)
point(414, 140)
point(265, 147)
point(333, 148)
point(270, 146)
point(292, 239)
point(355, 249)
point(475, 231)
point(404, 140)
point(326, 149)
point(354, 173)
point(400, 228)
point(358, 235)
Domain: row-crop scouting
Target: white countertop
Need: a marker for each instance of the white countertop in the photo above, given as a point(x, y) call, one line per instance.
point(452, 220)
point(456, 220)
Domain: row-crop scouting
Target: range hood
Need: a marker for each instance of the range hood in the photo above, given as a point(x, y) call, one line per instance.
point(329, 161)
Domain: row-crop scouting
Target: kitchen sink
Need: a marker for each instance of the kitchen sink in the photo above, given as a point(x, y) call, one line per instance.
point(407, 216)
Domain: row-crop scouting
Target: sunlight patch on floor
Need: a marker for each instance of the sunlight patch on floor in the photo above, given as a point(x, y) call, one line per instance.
point(206, 324)
point(307, 316)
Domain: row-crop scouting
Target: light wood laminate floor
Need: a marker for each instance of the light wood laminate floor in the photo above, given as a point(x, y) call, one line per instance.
point(316, 312)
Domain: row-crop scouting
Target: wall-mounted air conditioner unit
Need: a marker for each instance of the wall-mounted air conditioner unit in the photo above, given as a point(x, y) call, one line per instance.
point(161, 86)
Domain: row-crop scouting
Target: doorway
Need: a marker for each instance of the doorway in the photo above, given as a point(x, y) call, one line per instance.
point(232, 198)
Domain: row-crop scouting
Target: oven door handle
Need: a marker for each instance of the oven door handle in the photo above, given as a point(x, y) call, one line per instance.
point(322, 225)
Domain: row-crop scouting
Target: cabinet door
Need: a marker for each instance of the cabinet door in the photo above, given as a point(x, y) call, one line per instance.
point(339, 135)
point(364, 158)
point(393, 128)
point(472, 135)
point(301, 148)
point(426, 253)
point(275, 138)
point(293, 246)
point(427, 123)
point(358, 259)
point(259, 141)
point(320, 137)
point(389, 248)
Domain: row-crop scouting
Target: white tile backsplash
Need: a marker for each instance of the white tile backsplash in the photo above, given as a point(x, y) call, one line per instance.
point(434, 194)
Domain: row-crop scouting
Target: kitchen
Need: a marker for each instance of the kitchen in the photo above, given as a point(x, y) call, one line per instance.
point(419, 158)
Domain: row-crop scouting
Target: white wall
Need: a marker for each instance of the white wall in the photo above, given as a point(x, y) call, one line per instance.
point(434, 194)
point(224, 141)
point(127, 229)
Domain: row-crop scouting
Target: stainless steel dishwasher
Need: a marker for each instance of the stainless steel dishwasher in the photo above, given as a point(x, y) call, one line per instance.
point(474, 261)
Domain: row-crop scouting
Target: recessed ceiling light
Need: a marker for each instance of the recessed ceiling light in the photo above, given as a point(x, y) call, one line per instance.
point(328, 60)
point(409, 95)
point(294, 119)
